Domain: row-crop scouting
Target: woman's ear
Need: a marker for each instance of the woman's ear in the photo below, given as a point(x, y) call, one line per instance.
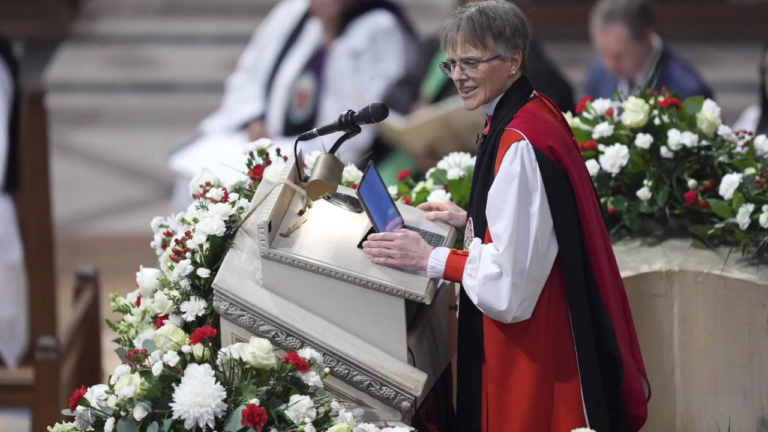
point(516, 62)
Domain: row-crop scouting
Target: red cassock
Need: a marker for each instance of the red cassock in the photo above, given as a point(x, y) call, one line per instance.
point(576, 362)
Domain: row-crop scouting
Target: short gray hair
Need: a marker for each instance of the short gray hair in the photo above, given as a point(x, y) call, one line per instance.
point(496, 24)
point(637, 15)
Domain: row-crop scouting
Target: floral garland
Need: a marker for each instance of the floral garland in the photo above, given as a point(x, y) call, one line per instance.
point(175, 376)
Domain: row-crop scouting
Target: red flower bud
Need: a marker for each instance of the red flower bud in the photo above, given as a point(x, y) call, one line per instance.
point(611, 210)
point(609, 112)
point(711, 183)
point(703, 204)
point(590, 145)
point(406, 200)
point(207, 183)
point(354, 186)
point(144, 352)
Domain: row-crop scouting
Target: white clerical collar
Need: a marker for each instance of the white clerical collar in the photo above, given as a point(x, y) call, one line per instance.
point(490, 107)
point(648, 68)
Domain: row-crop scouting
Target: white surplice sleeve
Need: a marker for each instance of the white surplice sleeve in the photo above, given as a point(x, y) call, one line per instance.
point(504, 278)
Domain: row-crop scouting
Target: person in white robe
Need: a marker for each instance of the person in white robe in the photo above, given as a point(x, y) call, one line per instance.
point(14, 313)
point(755, 118)
point(308, 61)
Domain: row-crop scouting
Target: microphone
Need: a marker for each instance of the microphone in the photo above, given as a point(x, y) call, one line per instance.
point(350, 121)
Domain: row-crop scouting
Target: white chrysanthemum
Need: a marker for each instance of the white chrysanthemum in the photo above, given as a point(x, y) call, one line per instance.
point(644, 193)
point(689, 139)
point(299, 408)
point(309, 160)
point(593, 167)
point(460, 160)
point(311, 378)
point(744, 215)
point(439, 195)
point(665, 153)
point(600, 106)
point(193, 308)
point(204, 273)
point(254, 146)
point(220, 210)
point(351, 174)
point(455, 173)
point(199, 398)
point(727, 133)
point(729, 184)
point(182, 269)
point(215, 194)
point(602, 130)
point(211, 226)
point(171, 358)
point(308, 353)
point(614, 158)
point(761, 145)
point(644, 140)
point(709, 118)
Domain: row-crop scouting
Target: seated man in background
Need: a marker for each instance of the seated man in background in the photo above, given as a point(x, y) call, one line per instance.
point(424, 85)
point(308, 61)
point(633, 54)
point(14, 323)
point(755, 118)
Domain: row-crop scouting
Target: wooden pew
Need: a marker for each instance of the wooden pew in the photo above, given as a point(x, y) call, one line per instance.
point(66, 353)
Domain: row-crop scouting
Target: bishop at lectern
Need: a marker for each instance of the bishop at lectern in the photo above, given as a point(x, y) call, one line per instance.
point(546, 338)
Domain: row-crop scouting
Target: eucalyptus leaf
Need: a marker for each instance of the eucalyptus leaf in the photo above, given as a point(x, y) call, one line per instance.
point(154, 427)
point(235, 420)
point(149, 345)
point(693, 104)
point(167, 424)
point(127, 424)
point(67, 413)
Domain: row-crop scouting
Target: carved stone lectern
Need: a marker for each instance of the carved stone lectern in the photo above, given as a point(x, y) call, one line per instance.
point(384, 333)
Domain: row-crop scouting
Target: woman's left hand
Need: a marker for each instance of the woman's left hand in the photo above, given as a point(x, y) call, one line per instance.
point(403, 248)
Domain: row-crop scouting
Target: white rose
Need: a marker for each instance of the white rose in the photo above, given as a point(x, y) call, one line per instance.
point(689, 139)
point(600, 106)
point(593, 167)
point(729, 184)
point(109, 425)
point(220, 210)
point(709, 118)
point(644, 140)
point(171, 358)
point(644, 193)
point(743, 216)
point(439, 195)
point(140, 411)
point(727, 134)
point(636, 112)
point(119, 371)
point(764, 220)
point(614, 158)
point(169, 337)
point(692, 184)
point(274, 170)
point(254, 146)
point(341, 427)
point(749, 171)
point(112, 401)
point(602, 130)
point(299, 408)
point(258, 353)
point(204, 273)
point(131, 385)
point(351, 174)
point(201, 353)
point(211, 226)
point(202, 177)
point(163, 305)
point(674, 139)
point(761, 145)
point(182, 269)
point(665, 153)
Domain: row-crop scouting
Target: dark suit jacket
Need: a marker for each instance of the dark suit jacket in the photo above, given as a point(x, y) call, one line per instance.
point(674, 73)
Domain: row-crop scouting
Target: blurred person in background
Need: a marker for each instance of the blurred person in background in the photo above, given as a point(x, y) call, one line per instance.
point(755, 118)
point(14, 324)
point(633, 54)
point(307, 62)
point(424, 85)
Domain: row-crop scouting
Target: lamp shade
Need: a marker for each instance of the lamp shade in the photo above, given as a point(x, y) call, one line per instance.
point(325, 177)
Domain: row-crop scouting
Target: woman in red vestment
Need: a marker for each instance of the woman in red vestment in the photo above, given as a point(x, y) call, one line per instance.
point(546, 338)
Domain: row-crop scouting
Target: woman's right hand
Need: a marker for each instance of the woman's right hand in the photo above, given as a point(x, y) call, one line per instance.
point(445, 211)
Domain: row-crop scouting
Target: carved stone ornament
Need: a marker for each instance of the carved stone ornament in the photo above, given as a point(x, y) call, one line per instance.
point(339, 368)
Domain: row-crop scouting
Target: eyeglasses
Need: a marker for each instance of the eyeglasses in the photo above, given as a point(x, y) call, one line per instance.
point(468, 67)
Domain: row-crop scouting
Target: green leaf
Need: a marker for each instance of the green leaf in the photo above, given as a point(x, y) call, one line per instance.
point(149, 345)
point(439, 176)
point(235, 421)
point(154, 427)
point(67, 413)
point(636, 164)
point(738, 200)
point(661, 196)
point(581, 135)
point(127, 424)
point(698, 244)
point(693, 104)
point(167, 424)
point(721, 208)
point(403, 189)
point(620, 202)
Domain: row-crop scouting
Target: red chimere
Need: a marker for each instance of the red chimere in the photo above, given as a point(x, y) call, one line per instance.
point(404, 174)
point(201, 333)
point(257, 172)
point(293, 359)
point(255, 417)
point(74, 400)
point(582, 105)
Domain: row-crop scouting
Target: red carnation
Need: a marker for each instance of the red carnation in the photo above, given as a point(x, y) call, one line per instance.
point(138, 301)
point(354, 186)
point(691, 197)
point(612, 210)
point(160, 321)
point(590, 145)
point(201, 333)
point(255, 417)
point(582, 105)
point(671, 102)
point(74, 400)
point(703, 204)
point(404, 174)
point(257, 172)
point(293, 359)
point(406, 200)
point(609, 112)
